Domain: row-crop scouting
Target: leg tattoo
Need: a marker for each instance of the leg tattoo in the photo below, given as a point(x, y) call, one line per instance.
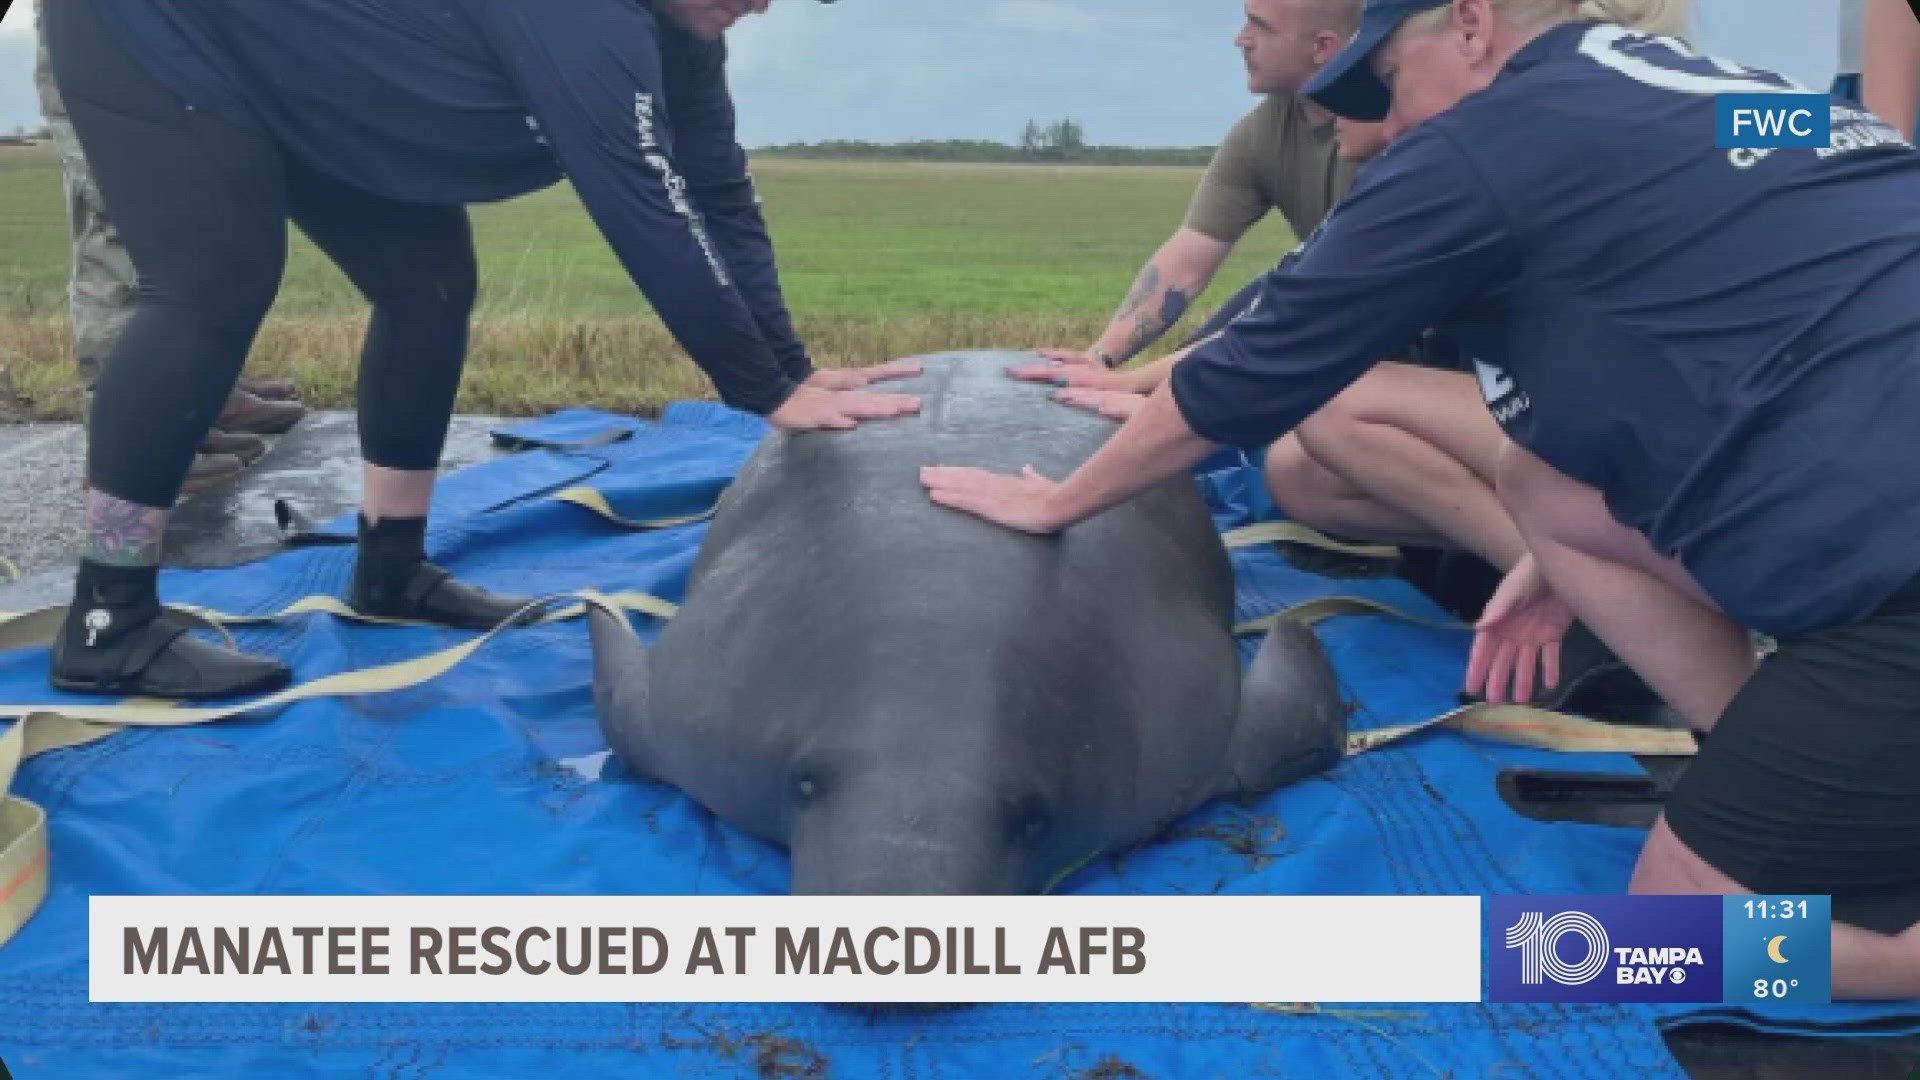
point(121, 533)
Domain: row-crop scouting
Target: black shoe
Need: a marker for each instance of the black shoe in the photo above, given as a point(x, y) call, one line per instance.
point(158, 659)
point(432, 595)
point(392, 579)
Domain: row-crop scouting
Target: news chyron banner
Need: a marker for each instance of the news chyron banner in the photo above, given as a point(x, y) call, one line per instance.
point(870, 949)
point(877, 949)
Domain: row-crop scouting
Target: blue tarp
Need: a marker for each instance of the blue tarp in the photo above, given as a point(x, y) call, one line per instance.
point(493, 779)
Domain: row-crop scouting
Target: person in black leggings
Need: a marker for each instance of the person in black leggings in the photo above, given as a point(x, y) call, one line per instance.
point(370, 125)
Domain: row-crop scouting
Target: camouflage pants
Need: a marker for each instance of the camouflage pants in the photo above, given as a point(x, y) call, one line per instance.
point(101, 293)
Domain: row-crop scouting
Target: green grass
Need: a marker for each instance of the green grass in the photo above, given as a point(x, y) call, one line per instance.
point(878, 260)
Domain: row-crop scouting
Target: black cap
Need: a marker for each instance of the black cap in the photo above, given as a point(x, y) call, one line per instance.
point(1347, 86)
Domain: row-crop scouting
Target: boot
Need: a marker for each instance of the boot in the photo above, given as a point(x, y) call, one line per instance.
point(210, 471)
point(118, 641)
point(272, 389)
point(393, 579)
point(248, 448)
point(258, 416)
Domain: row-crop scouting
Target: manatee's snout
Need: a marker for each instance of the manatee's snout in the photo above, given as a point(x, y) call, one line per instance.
point(910, 837)
point(901, 865)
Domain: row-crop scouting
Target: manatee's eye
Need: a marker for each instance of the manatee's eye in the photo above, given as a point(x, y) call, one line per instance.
point(805, 787)
point(1035, 825)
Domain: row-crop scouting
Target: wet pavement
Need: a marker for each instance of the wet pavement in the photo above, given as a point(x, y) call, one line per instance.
point(316, 466)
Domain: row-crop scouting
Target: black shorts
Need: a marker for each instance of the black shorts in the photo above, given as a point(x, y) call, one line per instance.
point(1810, 782)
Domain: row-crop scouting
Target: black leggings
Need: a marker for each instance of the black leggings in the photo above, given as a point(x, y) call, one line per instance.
point(202, 204)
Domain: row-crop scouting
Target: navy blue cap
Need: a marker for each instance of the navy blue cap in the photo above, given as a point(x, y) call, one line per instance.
point(1347, 86)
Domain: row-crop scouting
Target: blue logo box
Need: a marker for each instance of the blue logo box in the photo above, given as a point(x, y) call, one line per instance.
point(1772, 121)
point(1659, 949)
point(1604, 949)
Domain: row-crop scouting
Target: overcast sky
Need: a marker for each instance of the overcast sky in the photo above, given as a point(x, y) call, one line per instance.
point(1136, 72)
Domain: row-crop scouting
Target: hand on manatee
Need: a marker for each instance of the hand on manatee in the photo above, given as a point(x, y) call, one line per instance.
point(1079, 357)
point(1018, 502)
point(855, 378)
point(1112, 404)
point(1081, 375)
point(1519, 631)
point(810, 408)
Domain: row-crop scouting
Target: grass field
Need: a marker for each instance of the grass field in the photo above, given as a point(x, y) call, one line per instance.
point(878, 260)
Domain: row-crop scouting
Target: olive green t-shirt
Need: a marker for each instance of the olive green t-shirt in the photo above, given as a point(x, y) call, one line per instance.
point(1277, 156)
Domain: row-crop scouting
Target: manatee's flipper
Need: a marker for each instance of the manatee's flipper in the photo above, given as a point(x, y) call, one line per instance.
point(1292, 722)
point(622, 681)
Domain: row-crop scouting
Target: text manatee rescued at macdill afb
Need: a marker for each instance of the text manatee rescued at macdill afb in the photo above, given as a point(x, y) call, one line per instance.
point(627, 950)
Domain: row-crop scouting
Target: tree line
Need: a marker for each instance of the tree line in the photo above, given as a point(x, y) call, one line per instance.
point(1063, 142)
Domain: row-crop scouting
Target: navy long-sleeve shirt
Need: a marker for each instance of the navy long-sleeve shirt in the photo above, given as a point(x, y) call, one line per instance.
point(1725, 343)
point(461, 101)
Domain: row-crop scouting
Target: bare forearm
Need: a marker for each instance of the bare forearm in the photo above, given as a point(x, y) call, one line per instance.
point(1891, 81)
point(1161, 295)
point(1154, 445)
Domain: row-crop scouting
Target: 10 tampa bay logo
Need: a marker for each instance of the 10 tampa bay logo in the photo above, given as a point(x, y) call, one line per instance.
point(1604, 949)
point(1538, 939)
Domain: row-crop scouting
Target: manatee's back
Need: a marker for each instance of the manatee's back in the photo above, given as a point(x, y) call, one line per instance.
point(836, 614)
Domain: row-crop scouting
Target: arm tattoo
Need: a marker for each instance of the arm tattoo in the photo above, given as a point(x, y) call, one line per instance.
point(1147, 326)
point(1173, 306)
point(1143, 289)
point(123, 533)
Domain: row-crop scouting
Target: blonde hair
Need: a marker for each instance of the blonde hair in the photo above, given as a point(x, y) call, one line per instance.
point(1644, 16)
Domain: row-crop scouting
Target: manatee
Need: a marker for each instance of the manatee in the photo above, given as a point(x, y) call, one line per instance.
point(917, 702)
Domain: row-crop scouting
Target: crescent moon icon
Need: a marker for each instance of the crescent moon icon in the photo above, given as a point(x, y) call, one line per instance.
point(1773, 949)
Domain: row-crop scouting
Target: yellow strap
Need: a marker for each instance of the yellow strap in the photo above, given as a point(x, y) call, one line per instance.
point(1292, 532)
point(23, 629)
point(1265, 532)
point(593, 500)
point(23, 826)
point(1541, 729)
point(38, 627)
point(1313, 612)
point(23, 842)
